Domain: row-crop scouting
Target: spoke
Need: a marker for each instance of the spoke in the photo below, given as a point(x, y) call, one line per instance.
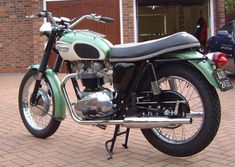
point(187, 132)
point(196, 127)
point(195, 105)
point(42, 110)
point(166, 85)
point(180, 88)
point(168, 132)
point(174, 137)
point(193, 98)
point(191, 95)
point(183, 132)
point(188, 90)
point(194, 108)
point(184, 87)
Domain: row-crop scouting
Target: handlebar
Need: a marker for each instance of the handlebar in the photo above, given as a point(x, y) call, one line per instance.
point(91, 17)
point(74, 21)
point(45, 14)
point(79, 19)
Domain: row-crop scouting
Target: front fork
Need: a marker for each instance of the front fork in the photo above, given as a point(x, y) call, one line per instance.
point(43, 65)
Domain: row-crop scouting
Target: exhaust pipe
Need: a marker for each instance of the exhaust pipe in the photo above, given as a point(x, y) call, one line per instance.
point(138, 122)
point(129, 122)
point(153, 122)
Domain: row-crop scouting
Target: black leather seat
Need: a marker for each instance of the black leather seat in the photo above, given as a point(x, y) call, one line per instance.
point(149, 49)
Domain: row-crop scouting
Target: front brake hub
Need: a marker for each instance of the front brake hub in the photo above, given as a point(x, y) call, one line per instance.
point(42, 104)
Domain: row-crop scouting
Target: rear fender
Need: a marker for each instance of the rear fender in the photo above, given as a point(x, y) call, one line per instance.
point(59, 102)
point(205, 67)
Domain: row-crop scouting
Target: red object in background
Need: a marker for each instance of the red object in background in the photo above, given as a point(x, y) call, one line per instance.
point(201, 31)
point(203, 34)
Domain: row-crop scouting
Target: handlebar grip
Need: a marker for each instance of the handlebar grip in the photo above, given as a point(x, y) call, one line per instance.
point(107, 19)
point(42, 14)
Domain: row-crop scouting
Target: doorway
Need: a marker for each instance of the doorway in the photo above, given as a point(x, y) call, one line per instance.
point(163, 18)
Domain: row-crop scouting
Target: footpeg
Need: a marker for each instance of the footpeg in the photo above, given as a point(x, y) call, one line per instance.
point(102, 126)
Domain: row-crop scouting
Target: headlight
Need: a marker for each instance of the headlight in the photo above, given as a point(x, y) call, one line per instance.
point(45, 29)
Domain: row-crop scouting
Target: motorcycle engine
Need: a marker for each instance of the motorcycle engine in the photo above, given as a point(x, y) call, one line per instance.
point(97, 100)
point(95, 105)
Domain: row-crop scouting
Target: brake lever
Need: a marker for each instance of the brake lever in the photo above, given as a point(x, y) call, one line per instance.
point(106, 19)
point(102, 19)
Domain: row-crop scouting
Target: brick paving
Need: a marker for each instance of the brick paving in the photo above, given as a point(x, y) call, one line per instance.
point(76, 145)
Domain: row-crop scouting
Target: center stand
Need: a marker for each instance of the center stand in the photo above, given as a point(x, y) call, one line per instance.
point(115, 135)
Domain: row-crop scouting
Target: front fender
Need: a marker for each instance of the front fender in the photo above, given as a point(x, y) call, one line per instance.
point(59, 102)
point(204, 66)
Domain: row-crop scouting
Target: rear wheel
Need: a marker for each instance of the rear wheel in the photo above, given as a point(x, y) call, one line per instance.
point(203, 101)
point(38, 119)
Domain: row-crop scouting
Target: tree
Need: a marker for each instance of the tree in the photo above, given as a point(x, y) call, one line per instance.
point(229, 6)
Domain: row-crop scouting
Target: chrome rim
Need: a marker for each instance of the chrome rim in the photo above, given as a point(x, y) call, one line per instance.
point(40, 115)
point(181, 134)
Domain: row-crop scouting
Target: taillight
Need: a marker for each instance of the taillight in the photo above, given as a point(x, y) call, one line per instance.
point(220, 59)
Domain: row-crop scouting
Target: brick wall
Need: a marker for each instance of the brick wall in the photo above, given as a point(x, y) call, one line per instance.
point(38, 44)
point(219, 14)
point(230, 17)
point(128, 21)
point(18, 41)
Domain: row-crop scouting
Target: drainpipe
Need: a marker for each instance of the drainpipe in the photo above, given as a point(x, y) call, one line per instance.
point(212, 17)
point(135, 20)
point(121, 21)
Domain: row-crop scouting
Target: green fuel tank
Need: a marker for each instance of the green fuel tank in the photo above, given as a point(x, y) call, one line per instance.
point(83, 45)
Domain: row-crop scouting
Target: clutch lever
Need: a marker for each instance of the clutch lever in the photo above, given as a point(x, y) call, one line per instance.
point(30, 16)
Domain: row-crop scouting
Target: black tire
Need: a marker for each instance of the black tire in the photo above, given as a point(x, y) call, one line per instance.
point(212, 113)
point(26, 111)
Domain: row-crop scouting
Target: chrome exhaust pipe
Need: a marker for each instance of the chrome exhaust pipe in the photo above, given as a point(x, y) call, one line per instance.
point(129, 122)
point(139, 122)
point(153, 122)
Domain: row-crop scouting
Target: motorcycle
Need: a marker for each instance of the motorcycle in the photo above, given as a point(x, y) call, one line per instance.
point(162, 87)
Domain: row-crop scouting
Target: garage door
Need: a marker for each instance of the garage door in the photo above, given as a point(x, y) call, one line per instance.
point(74, 8)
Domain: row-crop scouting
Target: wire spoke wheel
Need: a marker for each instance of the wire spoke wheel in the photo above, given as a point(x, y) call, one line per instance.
point(179, 134)
point(37, 117)
point(203, 107)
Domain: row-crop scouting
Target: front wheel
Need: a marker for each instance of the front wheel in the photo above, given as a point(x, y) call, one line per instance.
point(204, 105)
point(37, 118)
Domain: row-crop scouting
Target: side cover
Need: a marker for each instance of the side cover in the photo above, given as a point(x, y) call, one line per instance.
point(59, 101)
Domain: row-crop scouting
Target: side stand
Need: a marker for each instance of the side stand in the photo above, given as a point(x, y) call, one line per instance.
point(115, 135)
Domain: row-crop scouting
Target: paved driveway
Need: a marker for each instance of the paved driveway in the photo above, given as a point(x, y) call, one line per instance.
point(75, 145)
